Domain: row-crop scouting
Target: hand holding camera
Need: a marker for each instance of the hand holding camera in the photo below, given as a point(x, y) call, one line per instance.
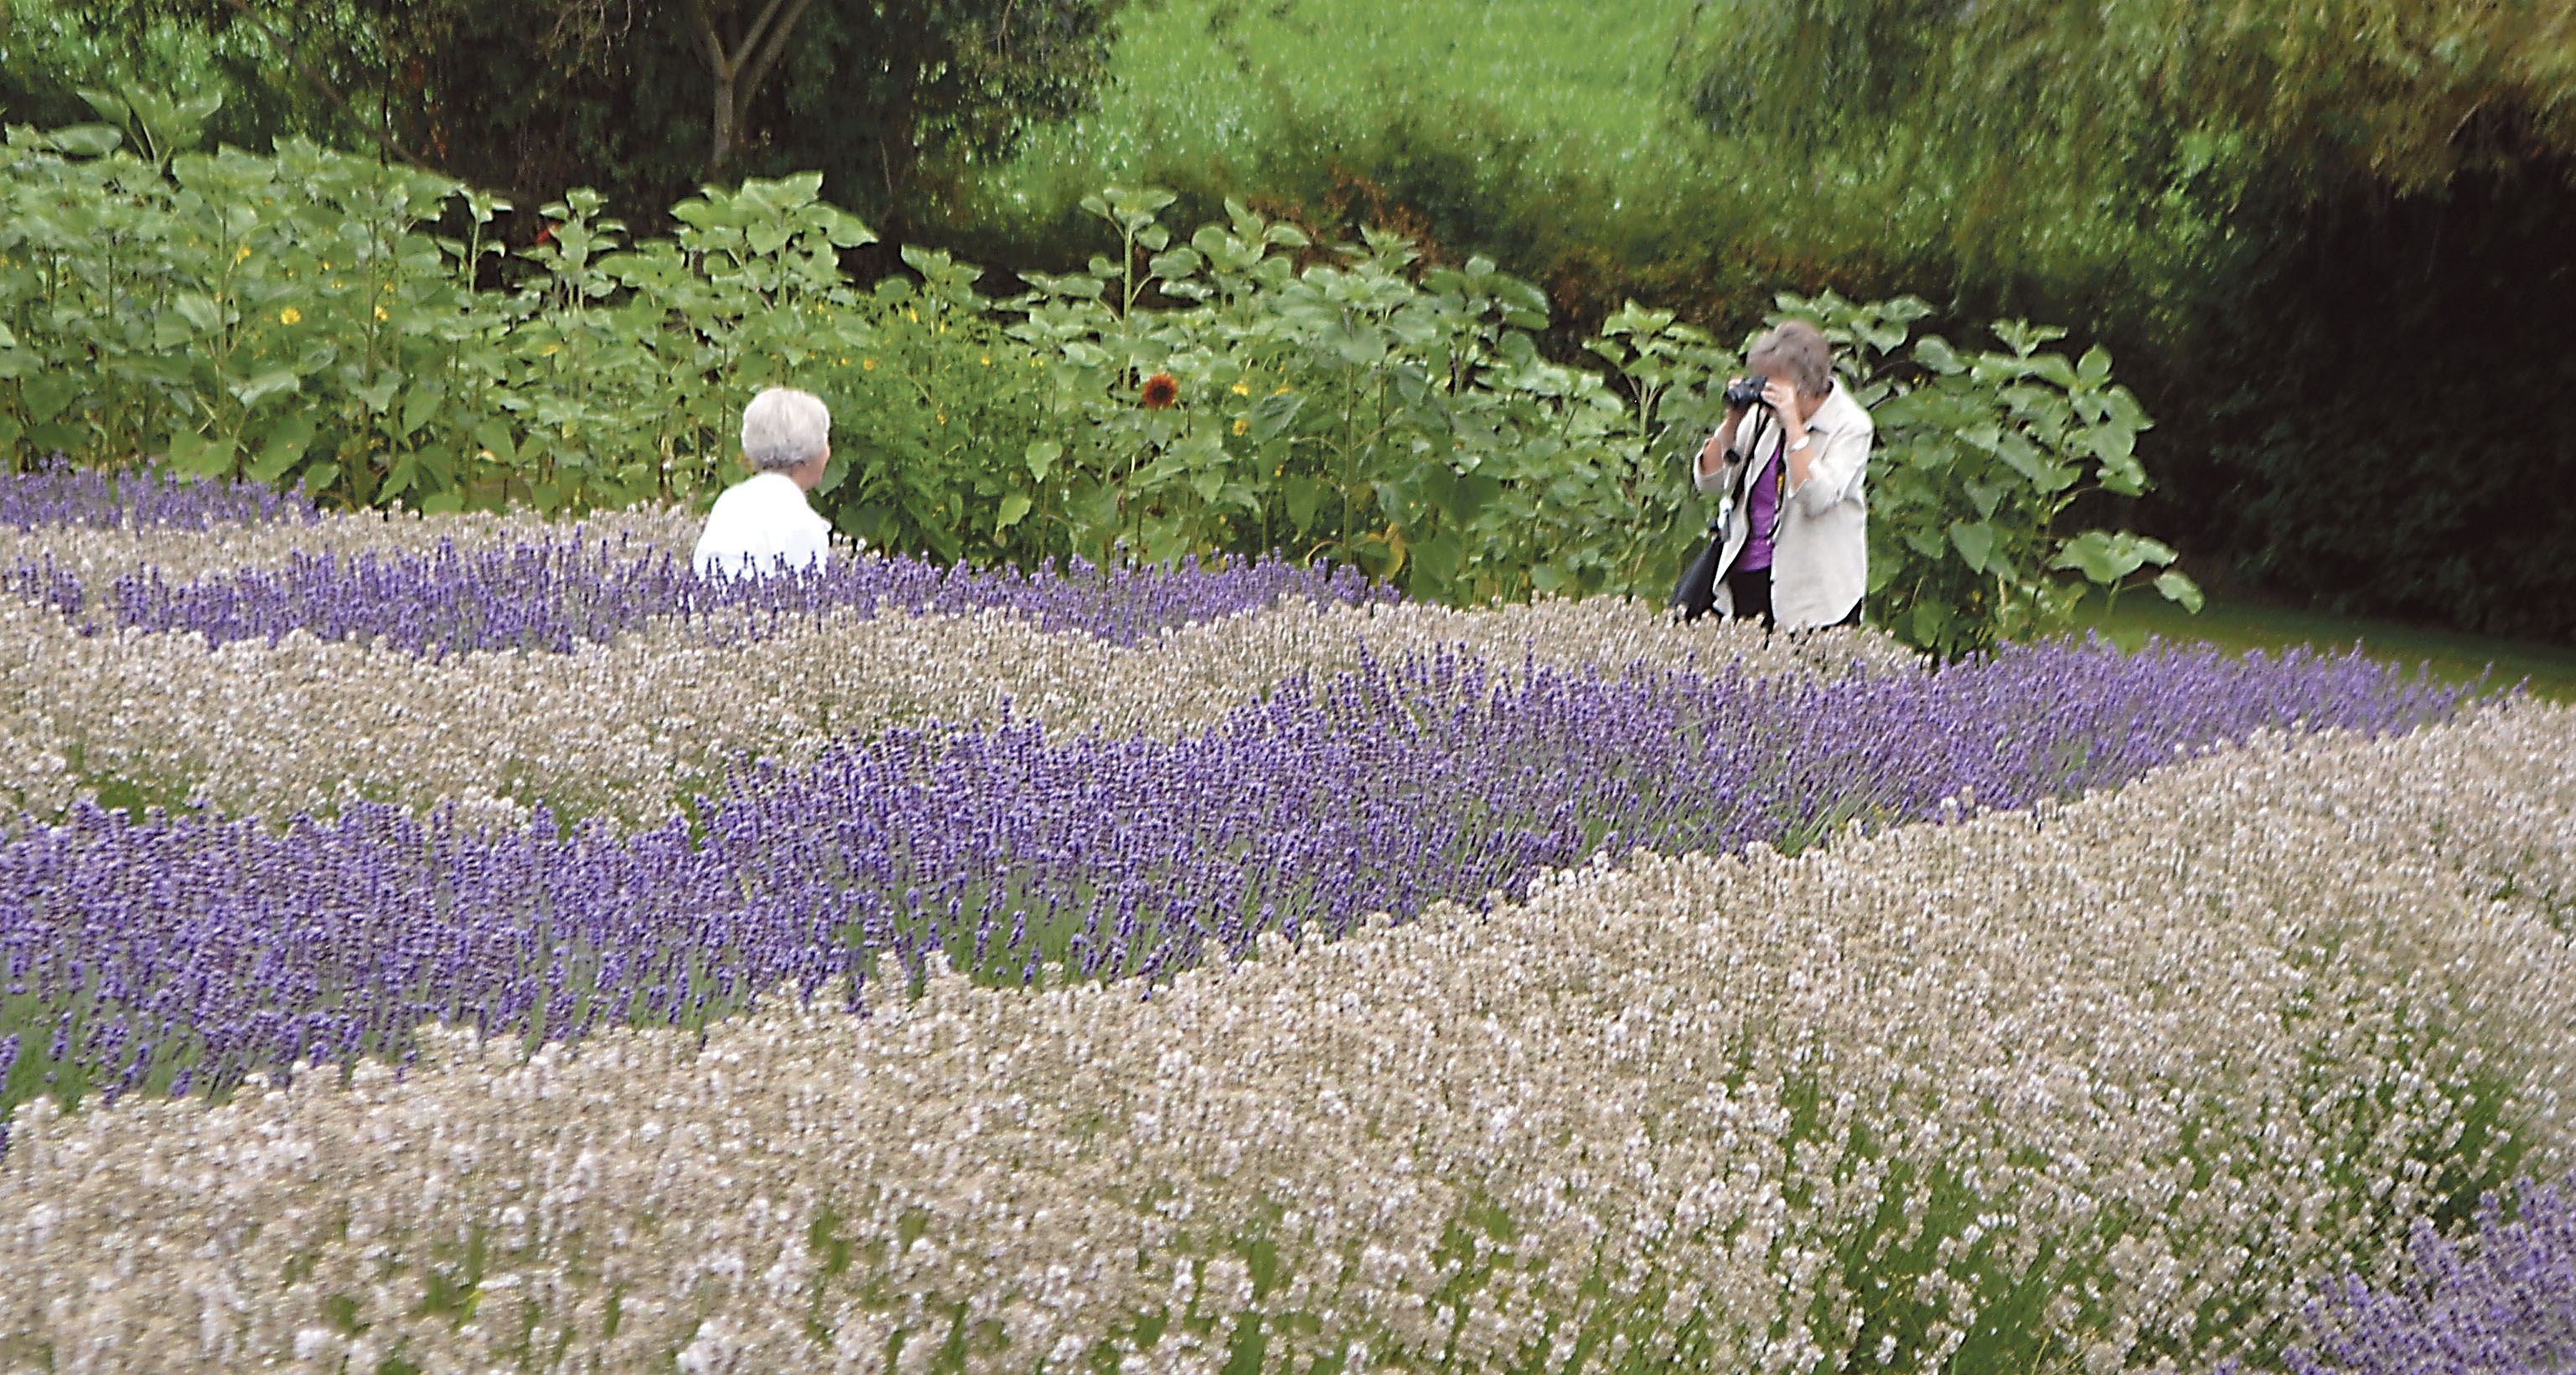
point(1745, 393)
point(1742, 395)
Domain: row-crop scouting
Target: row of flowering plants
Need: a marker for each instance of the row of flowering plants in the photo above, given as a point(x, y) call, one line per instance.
point(383, 337)
point(463, 943)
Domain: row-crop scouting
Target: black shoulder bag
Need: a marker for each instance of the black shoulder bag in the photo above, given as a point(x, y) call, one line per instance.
point(1696, 593)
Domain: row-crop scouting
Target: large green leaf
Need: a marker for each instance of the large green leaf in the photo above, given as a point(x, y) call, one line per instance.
point(199, 310)
point(266, 382)
point(1473, 495)
point(1974, 541)
point(1434, 563)
point(2094, 368)
point(2106, 558)
point(2178, 588)
point(199, 456)
point(87, 140)
point(419, 405)
point(45, 396)
point(1305, 497)
point(284, 449)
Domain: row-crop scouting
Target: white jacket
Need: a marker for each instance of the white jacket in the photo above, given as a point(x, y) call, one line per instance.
point(761, 526)
point(1820, 548)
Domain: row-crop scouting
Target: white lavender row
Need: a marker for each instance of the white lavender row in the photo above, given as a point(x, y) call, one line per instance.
point(631, 730)
point(74, 530)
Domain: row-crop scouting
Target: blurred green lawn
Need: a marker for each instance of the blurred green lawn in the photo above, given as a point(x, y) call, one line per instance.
point(2549, 669)
point(1210, 81)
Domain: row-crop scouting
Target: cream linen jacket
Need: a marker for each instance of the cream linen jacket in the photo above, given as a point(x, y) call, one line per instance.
point(1820, 548)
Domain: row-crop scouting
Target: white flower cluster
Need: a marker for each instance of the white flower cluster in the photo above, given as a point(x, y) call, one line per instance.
point(2110, 1077)
point(632, 728)
point(100, 557)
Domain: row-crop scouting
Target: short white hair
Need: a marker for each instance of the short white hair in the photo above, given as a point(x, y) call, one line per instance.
point(784, 428)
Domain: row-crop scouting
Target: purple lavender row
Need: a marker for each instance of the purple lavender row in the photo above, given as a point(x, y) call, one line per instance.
point(556, 594)
point(2505, 1305)
point(170, 954)
point(60, 494)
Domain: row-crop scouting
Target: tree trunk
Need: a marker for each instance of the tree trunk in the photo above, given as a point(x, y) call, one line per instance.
point(720, 150)
point(739, 69)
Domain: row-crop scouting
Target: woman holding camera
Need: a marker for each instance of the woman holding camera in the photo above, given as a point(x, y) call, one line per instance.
point(1789, 461)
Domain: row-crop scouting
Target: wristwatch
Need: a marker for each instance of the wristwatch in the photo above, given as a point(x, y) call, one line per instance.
point(1803, 441)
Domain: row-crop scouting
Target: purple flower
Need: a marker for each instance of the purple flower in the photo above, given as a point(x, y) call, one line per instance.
point(556, 594)
point(60, 493)
point(2504, 1304)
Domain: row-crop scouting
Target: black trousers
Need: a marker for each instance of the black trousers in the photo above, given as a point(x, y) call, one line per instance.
point(1751, 588)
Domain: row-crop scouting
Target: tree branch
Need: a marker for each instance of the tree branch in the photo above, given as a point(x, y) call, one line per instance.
point(751, 37)
point(759, 69)
point(708, 41)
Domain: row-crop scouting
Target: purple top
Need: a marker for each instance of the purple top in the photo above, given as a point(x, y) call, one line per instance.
point(1762, 508)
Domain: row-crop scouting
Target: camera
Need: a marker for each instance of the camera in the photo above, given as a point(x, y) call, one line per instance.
point(1747, 392)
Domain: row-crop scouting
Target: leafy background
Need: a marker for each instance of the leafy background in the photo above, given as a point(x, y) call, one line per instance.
point(297, 319)
point(2329, 256)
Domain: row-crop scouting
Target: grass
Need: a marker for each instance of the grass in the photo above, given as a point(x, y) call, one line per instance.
point(1212, 82)
point(1571, 112)
point(2548, 670)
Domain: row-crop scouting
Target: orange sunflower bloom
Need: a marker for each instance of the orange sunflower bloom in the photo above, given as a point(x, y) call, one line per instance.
point(1161, 390)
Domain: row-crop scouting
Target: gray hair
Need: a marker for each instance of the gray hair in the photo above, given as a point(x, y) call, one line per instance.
point(783, 428)
point(1795, 352)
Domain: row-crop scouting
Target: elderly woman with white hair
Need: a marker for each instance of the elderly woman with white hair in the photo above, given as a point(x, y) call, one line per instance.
point(763, 525)
point(1795, 526)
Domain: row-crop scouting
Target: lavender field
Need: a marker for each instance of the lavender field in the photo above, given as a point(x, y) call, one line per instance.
point(468, 943)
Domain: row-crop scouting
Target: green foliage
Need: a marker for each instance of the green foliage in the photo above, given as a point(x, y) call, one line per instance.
point(1537, 135)
point(889, 99)
point(2353, 219)
point(1358, 409)
point(52, 50)
point(2173, 133)
point(1201, 82)
point(2377, 422)
point(2402, 94)
point(290, 319)
point(2283, 227)
point(297, 319)
point(1979, 458)
point(1552, 138)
